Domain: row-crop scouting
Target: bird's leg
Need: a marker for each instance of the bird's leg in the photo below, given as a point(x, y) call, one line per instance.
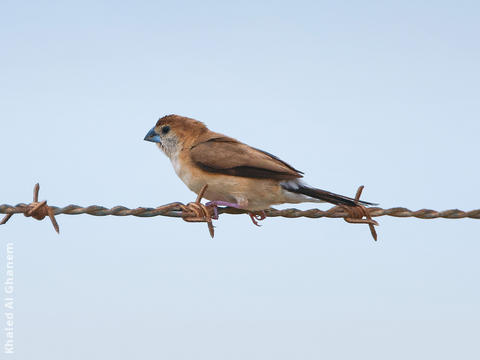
point(257, 215)
point(216, 203)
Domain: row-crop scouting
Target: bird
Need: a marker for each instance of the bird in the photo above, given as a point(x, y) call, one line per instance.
point(237, 175)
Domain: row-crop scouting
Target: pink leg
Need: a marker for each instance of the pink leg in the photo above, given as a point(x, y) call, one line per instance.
point(258, 215)
point(221, 203)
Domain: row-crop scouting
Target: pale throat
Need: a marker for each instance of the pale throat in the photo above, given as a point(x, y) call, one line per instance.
point(170, 147)
point(172, 151)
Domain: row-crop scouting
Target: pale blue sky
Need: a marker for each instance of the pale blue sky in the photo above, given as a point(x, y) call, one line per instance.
point(383, 93)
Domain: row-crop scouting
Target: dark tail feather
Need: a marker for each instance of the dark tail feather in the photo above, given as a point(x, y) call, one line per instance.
point(327, 196)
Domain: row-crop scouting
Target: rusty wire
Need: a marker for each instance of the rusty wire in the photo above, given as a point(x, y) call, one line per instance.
point(37, 210)
point(197, 212)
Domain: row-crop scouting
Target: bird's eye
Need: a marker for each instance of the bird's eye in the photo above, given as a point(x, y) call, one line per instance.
point(165, 129)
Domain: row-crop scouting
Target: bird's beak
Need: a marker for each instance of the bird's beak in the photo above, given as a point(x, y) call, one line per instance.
point(152, 136)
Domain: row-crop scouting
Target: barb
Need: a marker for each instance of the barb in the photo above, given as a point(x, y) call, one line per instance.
point(356, 214)
point(197, 212)
point(179, 210)
point(37, 210)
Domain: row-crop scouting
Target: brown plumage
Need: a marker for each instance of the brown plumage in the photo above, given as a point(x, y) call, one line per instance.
point(228, 156)
point(236, 173)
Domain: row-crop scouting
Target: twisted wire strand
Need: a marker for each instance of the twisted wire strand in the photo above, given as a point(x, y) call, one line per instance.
point(198, 212)
point(175, 210)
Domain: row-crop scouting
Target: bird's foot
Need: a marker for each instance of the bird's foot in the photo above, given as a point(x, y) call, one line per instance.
point(257, 216)
point(216, 203)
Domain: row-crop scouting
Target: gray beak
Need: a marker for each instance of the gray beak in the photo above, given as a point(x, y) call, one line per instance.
point(152, 136)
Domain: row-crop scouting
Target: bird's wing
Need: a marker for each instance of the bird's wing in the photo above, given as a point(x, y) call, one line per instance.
point(228, 156)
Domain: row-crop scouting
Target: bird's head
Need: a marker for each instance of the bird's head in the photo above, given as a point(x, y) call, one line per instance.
point(173, 132)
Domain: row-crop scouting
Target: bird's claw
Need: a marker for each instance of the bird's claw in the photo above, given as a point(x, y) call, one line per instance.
point(257, 216)
point(214, 208)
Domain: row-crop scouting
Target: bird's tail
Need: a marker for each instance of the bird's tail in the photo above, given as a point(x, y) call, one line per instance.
point(324, 195)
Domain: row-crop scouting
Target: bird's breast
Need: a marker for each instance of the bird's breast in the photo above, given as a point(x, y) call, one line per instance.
point(188, 173)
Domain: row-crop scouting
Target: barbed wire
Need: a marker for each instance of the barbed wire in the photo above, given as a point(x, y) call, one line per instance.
point(197, 212)
point(334, 212)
